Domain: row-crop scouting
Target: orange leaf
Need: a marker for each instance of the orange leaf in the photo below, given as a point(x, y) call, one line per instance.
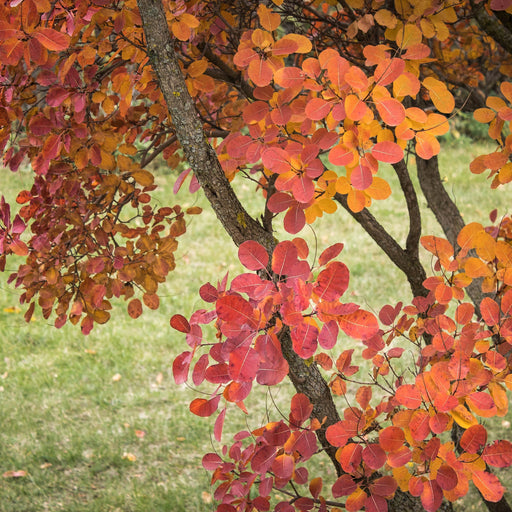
point(135, 308)
point(181, 30)
point(269, 20)
point(409, 35)
point(441, 97)
point(391, 111)
point(260, 72)
point(51, 39)
point(488, 485)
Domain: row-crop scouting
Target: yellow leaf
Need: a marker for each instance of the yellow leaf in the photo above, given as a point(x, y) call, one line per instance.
point(117, 377)
point(441, 97)
point(269, 20)
point(463, 417)
point(197, 68)
point(409, 35)
point(129, 456)
point(144, 178)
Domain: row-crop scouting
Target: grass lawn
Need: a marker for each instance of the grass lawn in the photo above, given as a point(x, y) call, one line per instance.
point(96, 423)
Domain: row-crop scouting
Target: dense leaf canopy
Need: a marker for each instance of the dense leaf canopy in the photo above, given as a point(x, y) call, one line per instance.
point(309, 99)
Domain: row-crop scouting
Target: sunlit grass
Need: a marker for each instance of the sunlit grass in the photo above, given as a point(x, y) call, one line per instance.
point(97, 422)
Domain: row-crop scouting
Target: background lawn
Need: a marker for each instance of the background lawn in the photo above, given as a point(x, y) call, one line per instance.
point(97, 422)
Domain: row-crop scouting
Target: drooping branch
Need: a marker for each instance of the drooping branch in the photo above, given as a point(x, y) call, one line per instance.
point(408, 263)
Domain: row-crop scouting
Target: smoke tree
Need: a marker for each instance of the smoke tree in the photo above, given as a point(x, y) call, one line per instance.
point(308, 99)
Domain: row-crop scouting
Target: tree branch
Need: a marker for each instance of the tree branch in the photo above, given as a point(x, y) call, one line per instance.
point(492, 26)
point(413, 238)
point(409, 264)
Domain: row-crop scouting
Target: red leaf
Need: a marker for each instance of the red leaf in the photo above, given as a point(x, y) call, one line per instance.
point(400, 457)
point(498, 454)
point(350, 457)
point(490, 311)
point(219, 424)
point(419, 425)
point(330, 253)
point(384, 486)
point(317, 108)
point(473, 438)
point(280, 202)
point(294, 220)
point(343, 486)
point(180, 323)
point(284, 257)
point(375, 503)
point(391, 438)
point(198, 373)
point(488, 485)
point(211, 461)
point(387, 151)
point(276, 159)
point(135, 308)
point(243, 364)
point(361, 176)
point(235, 310)
point(374, 456)
point(391, 111)
point(283, 466)
point(262, 459)
point(446, 477)
point(408, 396)
point(300, 409)
point(341, 155)
point(252, 255)
point(360, 325)
point(337, 435)
point(51, 39)
point(180, 367)
point(305, 340)
point(332, 282)
point(328, 335)
point(387, 71)
point(272, 372)
point(202, 407)
point(56, 95)
point(431, 496)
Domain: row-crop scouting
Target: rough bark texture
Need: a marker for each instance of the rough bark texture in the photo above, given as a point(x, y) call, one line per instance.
point(492, 26)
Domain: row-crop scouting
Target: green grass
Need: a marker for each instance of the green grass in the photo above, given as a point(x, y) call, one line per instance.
point(71, 423)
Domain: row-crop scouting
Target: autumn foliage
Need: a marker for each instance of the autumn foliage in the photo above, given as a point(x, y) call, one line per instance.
point(308, 99)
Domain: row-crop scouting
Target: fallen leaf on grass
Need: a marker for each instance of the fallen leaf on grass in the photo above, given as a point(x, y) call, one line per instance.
point(90, 351)
point(180, 439)
point(207, 497)
point(15, 474)
point(140, 434)
point(46, 465)
point(117, 377)
point(159, 378)
point(129, 456)
point(12, 309)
